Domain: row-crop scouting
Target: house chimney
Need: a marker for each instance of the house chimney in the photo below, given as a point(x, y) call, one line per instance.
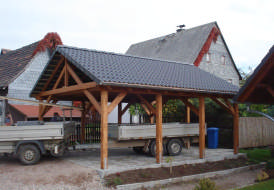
point(4, 51)
point(180, 28)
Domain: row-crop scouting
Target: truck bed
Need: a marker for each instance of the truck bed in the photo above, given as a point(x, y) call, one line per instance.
point(127, 132)
point(48, 131)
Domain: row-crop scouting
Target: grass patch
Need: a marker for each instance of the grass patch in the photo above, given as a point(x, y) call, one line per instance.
point(266, 185)
point(258, 155)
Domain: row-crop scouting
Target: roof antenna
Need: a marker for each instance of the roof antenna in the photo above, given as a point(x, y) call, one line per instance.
point(180, 27)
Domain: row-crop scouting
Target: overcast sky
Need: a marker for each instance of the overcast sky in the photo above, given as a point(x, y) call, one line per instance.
point(112, 25)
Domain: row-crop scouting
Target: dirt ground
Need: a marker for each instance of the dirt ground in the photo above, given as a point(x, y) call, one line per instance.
point(50, 173)
point(152, 174)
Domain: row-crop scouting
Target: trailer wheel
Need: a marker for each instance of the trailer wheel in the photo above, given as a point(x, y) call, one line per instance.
point(138, 149)
point(174, 147)
point(152, 148)
point(29, 154)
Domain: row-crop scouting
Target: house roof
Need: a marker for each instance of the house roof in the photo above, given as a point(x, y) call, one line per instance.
point(260, 84)
point(31, 111)
point(113, 69)
point(184, 46)
point(13, 62)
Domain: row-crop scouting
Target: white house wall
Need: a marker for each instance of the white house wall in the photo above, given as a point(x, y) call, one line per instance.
point(23, 84)
point(226, 71)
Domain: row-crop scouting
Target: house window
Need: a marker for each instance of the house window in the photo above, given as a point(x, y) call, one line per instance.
point(208, 57)
point(223, 59)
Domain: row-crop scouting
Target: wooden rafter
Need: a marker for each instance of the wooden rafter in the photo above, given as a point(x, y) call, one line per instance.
point(125, 109)
point(146, 109)
point(53, 74)
point(190, 105)
point(270, 90)
point(91, 98)
point(66, 78)
point(149, 106)
point(228, 107)
point(116, 101)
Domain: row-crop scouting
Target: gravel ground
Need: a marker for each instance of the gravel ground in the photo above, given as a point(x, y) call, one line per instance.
point(50, 173)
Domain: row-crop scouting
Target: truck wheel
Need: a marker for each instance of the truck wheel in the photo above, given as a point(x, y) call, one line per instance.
point(152, 148)
point(138, 149)
point(29, 154)
point(174, 147)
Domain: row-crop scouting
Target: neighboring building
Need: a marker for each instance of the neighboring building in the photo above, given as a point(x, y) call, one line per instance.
point(20, 68)
point(203, 46)
point(30, 112)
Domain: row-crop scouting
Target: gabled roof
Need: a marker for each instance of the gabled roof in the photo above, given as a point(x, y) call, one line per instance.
point(31, 111)
point(184, 46)
point(259, 87)
point(130, 71)
point(13, 62)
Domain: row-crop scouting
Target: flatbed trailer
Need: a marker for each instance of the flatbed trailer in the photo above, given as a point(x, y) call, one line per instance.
point(142, 137)
point(28, 141)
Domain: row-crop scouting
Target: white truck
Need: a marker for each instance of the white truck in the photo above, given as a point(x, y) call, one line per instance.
point(28, 141)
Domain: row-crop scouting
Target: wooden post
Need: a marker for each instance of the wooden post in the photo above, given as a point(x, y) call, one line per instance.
point(104, 129)
point(119, 113)
point(83, 122)
point(159, 135)
point(202, 127)
point(151, 118)
point(236, 128)
point(40, 116)
point(187, 114)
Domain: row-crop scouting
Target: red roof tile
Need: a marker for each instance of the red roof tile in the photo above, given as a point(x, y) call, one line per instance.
point(31, 111)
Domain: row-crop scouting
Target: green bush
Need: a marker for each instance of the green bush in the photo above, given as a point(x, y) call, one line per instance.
point(270, 164)
point(206, 184)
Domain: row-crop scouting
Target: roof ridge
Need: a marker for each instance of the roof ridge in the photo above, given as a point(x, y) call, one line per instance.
point(163, 36)
point(13, 51)
point(127, 55)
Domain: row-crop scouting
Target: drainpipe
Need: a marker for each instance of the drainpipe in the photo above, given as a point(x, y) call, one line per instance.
point(260, 113)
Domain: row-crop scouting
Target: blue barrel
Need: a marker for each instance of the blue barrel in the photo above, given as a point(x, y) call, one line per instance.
point(212, 137)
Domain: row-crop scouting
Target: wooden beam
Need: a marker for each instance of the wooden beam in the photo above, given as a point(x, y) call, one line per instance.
point(223, 105)
point(53, 74)
point(120, 113)
point(236, 129)
point(125, 108)
point(149, 106)
point(270, 90)
point(192, 107)
point(202, 127)
point(116, 101)
point(40, 117)
point(74, 75)
point(187, 114)
point(146, 109)
point(93, 101)
point(72, 88)
point(104, 129)
point(66, 78)
point(159, 134)
point(83, 122)
point(59, 79)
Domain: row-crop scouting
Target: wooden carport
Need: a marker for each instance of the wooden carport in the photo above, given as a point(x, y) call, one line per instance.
point(102, 81)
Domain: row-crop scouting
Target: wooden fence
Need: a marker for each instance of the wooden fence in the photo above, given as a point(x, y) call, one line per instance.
point(255, 132)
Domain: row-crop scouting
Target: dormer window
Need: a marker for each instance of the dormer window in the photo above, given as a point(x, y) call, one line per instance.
point(208, 57)
point(223, 60)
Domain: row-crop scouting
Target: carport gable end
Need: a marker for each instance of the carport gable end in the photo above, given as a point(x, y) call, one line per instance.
point(100, 77)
